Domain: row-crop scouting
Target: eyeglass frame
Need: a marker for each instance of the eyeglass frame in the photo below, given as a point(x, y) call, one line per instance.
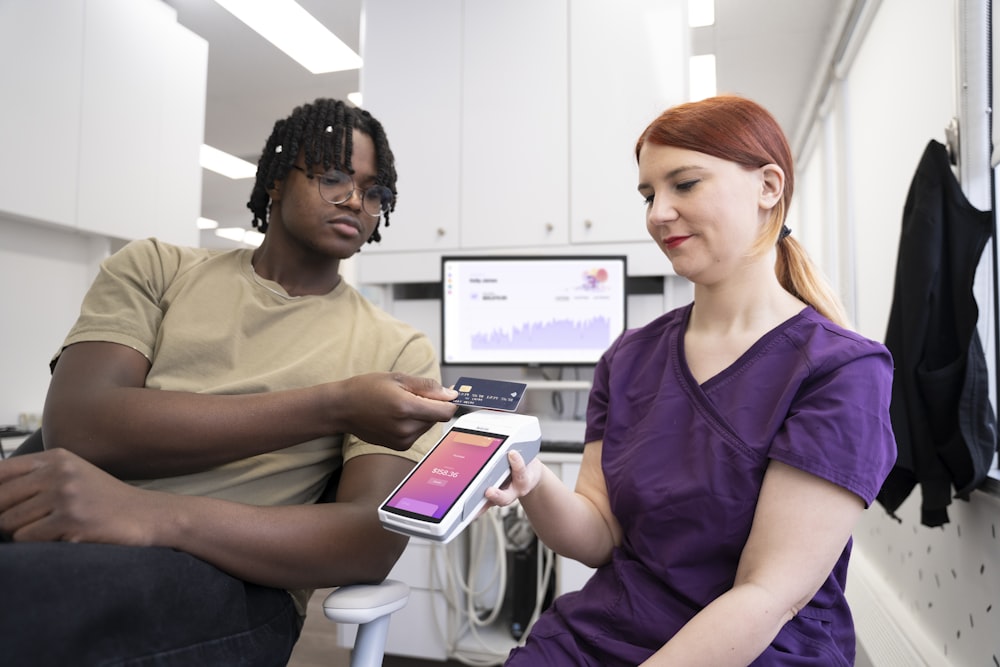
point(354, 189)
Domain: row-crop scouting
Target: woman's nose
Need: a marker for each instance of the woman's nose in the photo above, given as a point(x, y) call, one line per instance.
point(661, 210)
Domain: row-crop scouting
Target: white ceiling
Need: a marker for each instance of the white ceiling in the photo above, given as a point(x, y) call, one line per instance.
point(769, 50)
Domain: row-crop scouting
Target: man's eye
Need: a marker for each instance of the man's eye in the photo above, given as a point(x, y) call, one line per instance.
point(334, 180)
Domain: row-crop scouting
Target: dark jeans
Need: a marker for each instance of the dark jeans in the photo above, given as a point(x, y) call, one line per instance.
point(94, 604)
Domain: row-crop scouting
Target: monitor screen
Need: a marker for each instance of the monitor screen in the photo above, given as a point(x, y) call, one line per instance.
point(532, 310)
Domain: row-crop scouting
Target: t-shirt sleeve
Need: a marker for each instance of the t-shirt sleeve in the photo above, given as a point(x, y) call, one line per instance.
point(839, 429)
point(123, 304)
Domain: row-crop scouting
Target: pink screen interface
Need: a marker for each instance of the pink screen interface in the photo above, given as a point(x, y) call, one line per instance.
point(441, 478)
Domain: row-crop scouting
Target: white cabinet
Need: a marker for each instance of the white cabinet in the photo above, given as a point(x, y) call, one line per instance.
point(473, 97)
point(411, 83)
point(105, 113)
point(627, 63)
point(142, 120)
point(514, 124)
point(41, 45)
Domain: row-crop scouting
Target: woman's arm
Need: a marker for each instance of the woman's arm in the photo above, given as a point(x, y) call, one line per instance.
point(575, 524)
point(800, 527)
point(56, 495)
point(98, 407)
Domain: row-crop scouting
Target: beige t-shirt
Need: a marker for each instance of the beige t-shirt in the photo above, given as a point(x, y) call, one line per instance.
point(209, 325)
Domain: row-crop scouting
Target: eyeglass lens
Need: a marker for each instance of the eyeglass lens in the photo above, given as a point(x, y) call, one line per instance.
point(337, 187)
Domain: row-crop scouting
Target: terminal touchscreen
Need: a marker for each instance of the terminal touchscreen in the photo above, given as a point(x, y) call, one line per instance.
point(445, 491)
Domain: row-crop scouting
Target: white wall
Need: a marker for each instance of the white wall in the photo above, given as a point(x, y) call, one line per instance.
point(101, 123)
point(45, 272)
point(937, 589)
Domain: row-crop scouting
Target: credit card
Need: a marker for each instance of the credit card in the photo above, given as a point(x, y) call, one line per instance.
point(493, 394)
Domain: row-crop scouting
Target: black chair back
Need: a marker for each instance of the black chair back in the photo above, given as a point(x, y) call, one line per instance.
point(31, 445)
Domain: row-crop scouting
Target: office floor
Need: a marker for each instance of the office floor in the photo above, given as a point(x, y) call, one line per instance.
point(317, 645)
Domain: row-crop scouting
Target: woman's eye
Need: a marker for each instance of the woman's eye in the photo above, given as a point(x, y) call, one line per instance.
point(684, 186)
point(647, 201)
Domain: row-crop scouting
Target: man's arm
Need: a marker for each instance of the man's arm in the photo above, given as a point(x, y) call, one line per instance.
point(56, 495)
point(98, 407)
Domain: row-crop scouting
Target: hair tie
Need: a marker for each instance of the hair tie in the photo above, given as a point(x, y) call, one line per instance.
point(785, 231)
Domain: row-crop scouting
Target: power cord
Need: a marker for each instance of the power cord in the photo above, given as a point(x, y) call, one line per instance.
point(473, 601)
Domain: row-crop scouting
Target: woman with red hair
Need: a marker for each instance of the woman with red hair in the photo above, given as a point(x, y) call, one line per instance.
point(731, 444)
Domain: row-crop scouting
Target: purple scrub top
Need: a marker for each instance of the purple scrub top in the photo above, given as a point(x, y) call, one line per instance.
point(684, 465)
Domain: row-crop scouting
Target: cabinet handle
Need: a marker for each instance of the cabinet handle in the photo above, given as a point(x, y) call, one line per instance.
point(587, 224)
point(549, 227)
point(442, 231)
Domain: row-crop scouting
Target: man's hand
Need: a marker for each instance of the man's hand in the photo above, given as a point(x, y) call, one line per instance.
point(57, 496)
point(393, 409)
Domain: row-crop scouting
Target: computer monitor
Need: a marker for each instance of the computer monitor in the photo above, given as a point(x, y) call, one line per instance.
point(531, 310)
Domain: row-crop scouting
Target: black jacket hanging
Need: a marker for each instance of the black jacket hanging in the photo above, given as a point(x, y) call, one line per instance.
point(941, 414)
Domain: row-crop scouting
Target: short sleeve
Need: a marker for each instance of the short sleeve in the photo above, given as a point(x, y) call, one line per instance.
point(838, 427)
point(123, 304)
point(597, 401)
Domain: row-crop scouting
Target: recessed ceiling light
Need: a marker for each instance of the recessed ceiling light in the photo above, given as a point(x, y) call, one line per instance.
point(223, 163)
point(296, 32)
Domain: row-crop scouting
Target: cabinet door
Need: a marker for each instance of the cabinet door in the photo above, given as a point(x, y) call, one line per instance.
point(41, 45)
point(133, 58)
point(411, 83)
point(628, 62)
point(514, 124)
point(182, 131)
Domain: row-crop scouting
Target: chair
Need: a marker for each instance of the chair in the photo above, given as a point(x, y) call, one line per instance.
point(369, 606)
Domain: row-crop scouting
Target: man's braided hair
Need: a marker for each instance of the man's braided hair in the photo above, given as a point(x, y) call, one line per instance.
point(322, 132)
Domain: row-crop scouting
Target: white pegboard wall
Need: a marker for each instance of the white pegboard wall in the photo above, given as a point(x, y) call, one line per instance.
point(945, 581)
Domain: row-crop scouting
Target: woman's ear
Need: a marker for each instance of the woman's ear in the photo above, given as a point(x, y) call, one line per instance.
point(772, 185)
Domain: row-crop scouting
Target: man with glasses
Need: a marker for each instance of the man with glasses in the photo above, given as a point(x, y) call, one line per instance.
point(198, 412)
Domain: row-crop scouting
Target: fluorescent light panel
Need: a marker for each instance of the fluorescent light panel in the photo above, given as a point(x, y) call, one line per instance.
point(296, 32)
point(223, 163)
point(701, 13)
point(702, 77)
point(240, 235)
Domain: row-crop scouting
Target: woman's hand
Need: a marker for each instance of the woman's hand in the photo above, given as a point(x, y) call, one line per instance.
point(523, 480)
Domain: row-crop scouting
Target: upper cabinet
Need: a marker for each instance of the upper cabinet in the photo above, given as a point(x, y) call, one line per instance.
point(412, 83)
point(514, 123)
point(41, 45)
point(515, 170)
point(106, 113)
point(628, 62)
